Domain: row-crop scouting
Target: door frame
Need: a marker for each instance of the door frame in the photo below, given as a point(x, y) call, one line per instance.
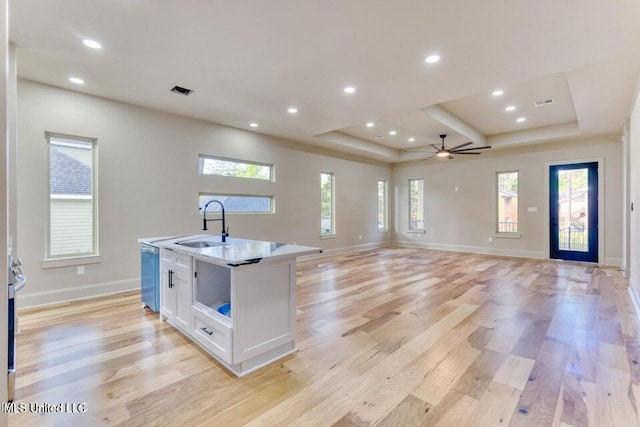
point(601, 196)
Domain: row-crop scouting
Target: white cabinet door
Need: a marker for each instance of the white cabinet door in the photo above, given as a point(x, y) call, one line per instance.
point(176, 288)
point(167, 290)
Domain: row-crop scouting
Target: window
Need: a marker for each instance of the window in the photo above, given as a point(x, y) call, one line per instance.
point(72, 225)
point(507, 201)
point(416, 204)
point(236, 203)
point(382, 205)
point(327, 208)
point(219, 166)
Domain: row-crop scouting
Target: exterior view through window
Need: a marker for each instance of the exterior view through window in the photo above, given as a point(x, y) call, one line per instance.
point(507, 199)
point(573, 212)
point(382, 205)
point(416, 204)
point(327, 219)
point(218, 166)
point(236, 203)
point(72, 213)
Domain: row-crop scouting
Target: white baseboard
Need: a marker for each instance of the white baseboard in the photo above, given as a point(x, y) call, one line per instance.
point(349, 249)
point(613, 262)
point(472, 249)
point(35, 299)
point(635, 301)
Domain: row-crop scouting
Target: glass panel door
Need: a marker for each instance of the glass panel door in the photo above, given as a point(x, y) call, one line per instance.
point(573, 215)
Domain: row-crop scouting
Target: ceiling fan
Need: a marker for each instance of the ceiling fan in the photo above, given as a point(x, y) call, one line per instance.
point(443, 151)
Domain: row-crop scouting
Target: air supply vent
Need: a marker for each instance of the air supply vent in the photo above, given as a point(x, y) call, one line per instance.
point(543, 102)
point(181, 90)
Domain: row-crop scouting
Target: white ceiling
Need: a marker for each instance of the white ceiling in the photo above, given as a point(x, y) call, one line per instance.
point(249, 60)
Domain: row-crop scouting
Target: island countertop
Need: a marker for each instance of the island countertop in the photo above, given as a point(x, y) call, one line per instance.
point(234, 252)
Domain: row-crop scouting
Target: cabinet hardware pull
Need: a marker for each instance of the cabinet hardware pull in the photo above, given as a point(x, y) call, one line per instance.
point(206, 331)
point(170, 279)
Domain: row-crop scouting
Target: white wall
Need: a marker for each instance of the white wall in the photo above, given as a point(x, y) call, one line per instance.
point(464, 220)
point(148, 185)
point(5, 114)
point(634, 197)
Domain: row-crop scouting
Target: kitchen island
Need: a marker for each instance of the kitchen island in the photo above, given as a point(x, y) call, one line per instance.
point(236, 299)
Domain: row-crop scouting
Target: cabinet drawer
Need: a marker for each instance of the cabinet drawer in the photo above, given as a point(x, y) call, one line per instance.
point(213, 334)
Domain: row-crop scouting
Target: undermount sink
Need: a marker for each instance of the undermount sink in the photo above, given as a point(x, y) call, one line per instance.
point(201, 244)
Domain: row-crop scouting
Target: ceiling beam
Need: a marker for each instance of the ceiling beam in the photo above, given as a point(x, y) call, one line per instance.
point(446, 118)
point(536, 135)
point(351, 144)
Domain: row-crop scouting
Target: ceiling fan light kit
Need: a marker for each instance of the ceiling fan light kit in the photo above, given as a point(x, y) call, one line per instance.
point(443, 151)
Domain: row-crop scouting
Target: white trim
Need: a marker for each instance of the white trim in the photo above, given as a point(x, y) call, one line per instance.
point(71, 197)
point(472, 249)
point(36, 299)
point(417, 230)
point(613, 262)
point(328, 236)
point(601, 196)
point(507, 235)
point(71, 261)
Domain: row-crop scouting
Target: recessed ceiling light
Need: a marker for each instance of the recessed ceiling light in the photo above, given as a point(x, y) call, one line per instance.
point(497, 92)
point(411, 139)
point(392, 132)
point(349, 89)
point(510, 108)
point(370, 124)
point(76, 80)
point(253, 125)
point(520, 119)
point(292, 110)
point(431, 59)
point(92, 44)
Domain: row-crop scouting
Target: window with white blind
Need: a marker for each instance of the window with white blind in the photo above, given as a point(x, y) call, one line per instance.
point(72, 225)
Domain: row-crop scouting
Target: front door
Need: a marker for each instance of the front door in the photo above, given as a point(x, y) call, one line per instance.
point(573, 213)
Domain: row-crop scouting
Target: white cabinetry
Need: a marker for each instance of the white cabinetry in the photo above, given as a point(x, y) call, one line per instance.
point(175, 292)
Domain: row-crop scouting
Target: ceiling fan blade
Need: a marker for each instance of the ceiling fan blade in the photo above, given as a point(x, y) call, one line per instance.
point(450, 157)
point(435, 146)
point(460, 146)
point(476, 154)
point(470, 149)
point(427, 158)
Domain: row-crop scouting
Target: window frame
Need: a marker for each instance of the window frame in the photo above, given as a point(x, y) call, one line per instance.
point(70, 259)
point(505, 234)
point(332, 231)
point(385, 207)
point(409, 204)
point(238, 161)
point(271, 198)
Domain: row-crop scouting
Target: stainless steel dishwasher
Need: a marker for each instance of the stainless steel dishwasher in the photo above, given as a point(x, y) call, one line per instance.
point(150, 276)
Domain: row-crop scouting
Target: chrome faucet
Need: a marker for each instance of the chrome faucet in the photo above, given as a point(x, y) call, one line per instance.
point(225, 230)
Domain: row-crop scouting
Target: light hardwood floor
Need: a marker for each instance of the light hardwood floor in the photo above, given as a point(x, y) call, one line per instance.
point(392, 337)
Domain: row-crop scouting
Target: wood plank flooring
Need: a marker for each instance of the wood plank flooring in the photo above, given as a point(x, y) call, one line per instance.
point(392, 337)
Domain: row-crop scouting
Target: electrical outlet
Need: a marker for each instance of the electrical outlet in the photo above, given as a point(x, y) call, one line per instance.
point(359, 236)
point(81, 270)
point(490, 239)
point(456, 189)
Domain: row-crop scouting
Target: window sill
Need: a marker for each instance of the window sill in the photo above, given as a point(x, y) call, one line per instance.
point(386, 230)
point(327, 236)
point(69, 262)
point(507, 235)
point(417, 231)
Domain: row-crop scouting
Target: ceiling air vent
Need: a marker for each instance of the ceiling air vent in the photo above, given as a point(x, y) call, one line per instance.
point(543, 102)
point(181, 90)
